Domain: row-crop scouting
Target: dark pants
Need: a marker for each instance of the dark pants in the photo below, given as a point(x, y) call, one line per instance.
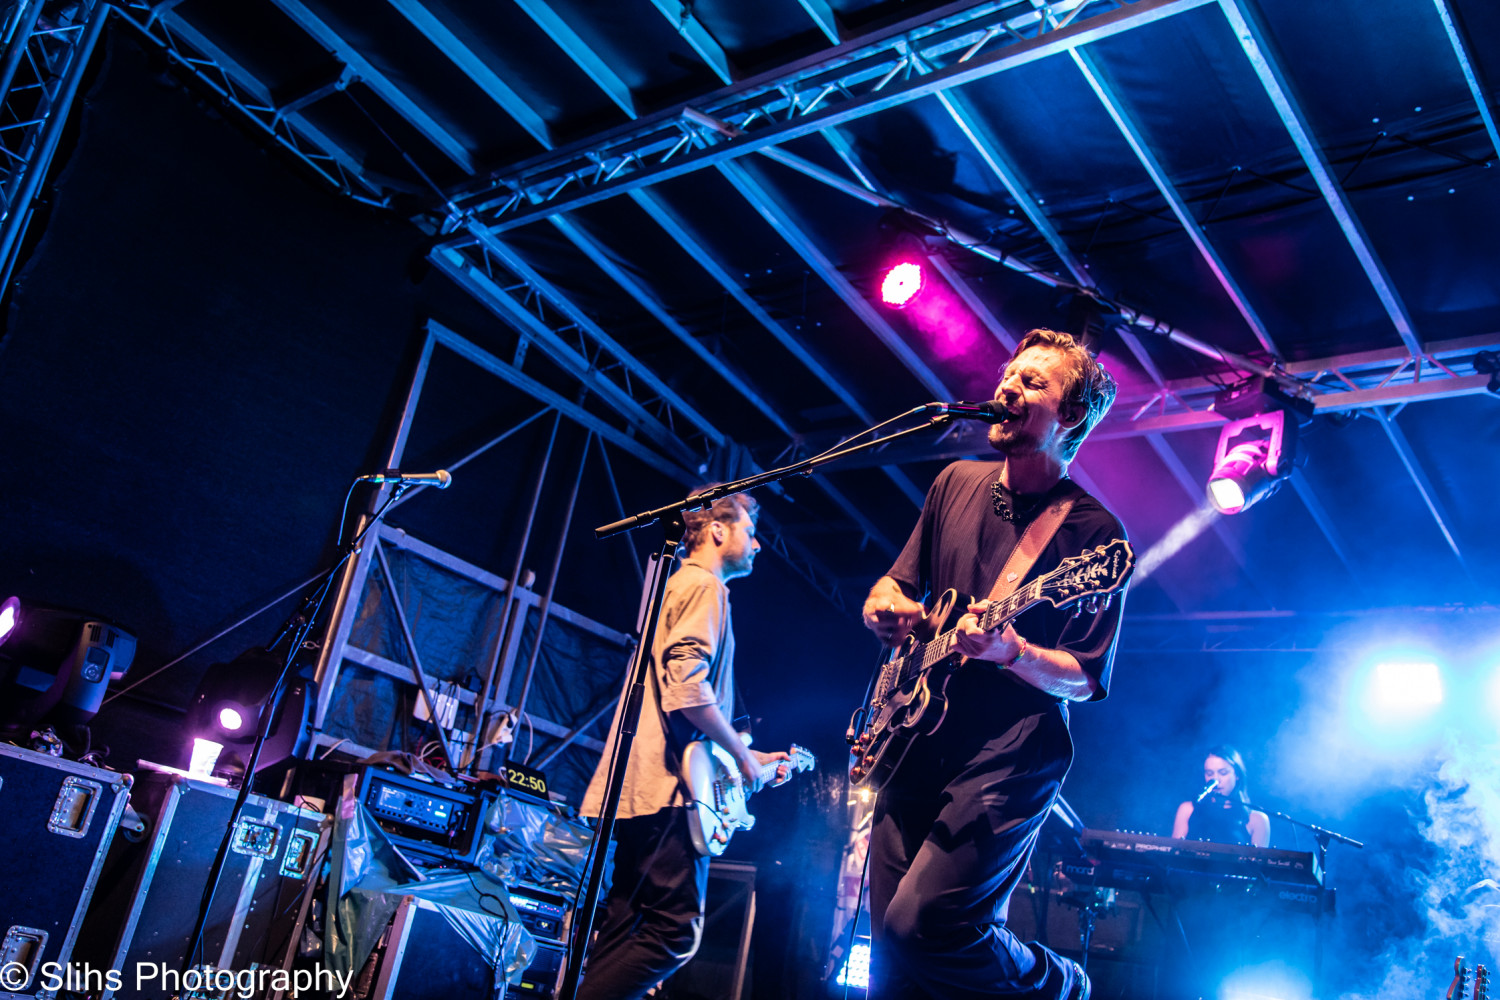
point(952, 834)
point(653, 916)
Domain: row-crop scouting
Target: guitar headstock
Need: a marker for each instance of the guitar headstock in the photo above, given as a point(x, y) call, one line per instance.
point(1093, 575)
point(1481, 983)
point(801, 759)
point(1460, 985)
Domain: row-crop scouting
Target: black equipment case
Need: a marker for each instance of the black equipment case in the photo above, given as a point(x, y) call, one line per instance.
point(150, 892)
point(57, 819)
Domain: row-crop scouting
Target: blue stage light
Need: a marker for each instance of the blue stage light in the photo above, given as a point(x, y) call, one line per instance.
point(856, 971)
point(1275, 980)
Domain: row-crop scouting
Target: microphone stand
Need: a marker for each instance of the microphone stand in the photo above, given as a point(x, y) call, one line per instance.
point(1322, 837)
point(630, 715)
point(298, 626)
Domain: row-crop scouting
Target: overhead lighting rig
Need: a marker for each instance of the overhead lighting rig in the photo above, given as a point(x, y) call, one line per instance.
point(1258, 447)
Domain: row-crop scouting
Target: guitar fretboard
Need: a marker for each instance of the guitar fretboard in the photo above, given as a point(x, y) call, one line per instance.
point(927, 654)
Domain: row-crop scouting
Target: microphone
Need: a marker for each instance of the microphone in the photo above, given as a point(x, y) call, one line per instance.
point(440, 479)
point(1207, 791)
point(990, 411)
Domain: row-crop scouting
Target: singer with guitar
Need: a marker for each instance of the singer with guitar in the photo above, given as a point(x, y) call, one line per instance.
point(653, 916)
point(956, 821)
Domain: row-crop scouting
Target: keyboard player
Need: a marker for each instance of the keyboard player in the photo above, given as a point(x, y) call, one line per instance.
point(1222, 813)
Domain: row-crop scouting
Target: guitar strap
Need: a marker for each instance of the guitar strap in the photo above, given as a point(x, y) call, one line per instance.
point(1030, 545)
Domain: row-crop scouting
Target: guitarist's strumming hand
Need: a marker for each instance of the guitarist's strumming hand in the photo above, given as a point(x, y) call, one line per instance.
point(889, 613)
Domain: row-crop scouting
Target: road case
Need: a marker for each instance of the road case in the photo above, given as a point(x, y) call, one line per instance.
point(57, 820)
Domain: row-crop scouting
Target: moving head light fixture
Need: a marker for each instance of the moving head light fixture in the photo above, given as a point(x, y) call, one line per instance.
point(55, 663)
point(1258, 446)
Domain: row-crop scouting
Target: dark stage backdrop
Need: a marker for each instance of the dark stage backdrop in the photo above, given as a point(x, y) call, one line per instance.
point(199, 356)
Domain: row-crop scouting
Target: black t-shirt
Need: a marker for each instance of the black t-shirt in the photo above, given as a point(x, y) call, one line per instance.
point(1220, 819)
point(961, 543)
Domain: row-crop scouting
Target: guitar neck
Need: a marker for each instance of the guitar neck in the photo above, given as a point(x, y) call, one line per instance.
point(995, 616)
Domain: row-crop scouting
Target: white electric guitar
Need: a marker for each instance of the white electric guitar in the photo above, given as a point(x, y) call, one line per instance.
point(719, 793)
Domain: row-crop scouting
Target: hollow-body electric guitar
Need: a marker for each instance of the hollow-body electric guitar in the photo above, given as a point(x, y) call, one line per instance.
point(719, 791)
point(908, 694)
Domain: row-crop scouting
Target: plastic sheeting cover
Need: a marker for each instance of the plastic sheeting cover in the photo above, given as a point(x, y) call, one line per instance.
point(535, 843)
point(370, 878)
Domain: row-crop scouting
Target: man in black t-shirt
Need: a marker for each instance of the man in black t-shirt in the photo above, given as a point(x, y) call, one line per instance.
point(955, 825)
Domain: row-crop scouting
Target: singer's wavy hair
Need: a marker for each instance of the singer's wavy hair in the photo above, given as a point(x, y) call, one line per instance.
point(1225, 752)
point(726, 509)
point(1089, 384)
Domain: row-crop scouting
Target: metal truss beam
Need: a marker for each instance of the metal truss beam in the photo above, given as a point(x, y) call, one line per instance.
point(600, 255)
point(237, 88)
point(1420, 480)
point(1347, 383)
point(43, 65)
point(781, 220)
point(603, 259)
point(1136, 139)
point(576, 350)
point(1460, 43)
point(851, 82)
point(1255, 41)
point(771, 534)
point(675, 411)
point(674, 226)
point(824, 17)
point(1342, 384)
point(582, 54)
point(557, 401)
point(1321, 518)
point(399, 101)
point(1284, 631)
point(685, 23)
point(475, 68)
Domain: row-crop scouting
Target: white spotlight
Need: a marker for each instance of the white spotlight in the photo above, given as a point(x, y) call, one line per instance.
point(1408, 685)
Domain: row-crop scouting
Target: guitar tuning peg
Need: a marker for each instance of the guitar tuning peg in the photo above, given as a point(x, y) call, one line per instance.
point(1077, 610)
point(1108, 600)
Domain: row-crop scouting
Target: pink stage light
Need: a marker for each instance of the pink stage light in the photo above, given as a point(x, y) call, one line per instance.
point(9, 614)
point(901, 284)
point(230, 719)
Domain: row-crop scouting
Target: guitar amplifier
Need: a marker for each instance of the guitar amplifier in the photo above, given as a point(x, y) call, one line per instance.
point(57, 820)
point(150, 892)
point(436, 822)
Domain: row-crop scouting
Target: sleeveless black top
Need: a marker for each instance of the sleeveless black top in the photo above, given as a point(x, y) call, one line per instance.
point(1221, 819)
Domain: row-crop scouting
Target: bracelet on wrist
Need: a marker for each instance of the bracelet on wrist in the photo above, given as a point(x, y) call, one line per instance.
point(1019, 653)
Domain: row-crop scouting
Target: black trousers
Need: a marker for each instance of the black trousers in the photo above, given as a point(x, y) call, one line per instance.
point(952, 834)
point(653, 916)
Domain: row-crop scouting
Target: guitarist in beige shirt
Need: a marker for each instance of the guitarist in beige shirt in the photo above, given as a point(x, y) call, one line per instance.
point(654, 911)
